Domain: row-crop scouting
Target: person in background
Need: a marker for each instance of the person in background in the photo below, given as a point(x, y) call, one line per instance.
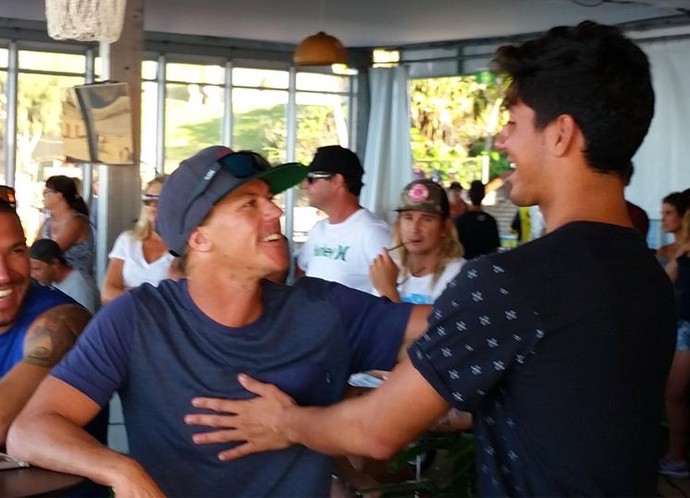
point(49, 267)
point(477, 229)
point(341, 247)
point(673, 208)
point(638, 216)
point(675, 461)
point(528, 224)
point(161, 346)
point(139, 255)
point(68, 223)
point(560, 347)
point(458, 206)
point(428, 253)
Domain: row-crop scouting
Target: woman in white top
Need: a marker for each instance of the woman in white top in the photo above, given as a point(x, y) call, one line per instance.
point(426, 251)
point(139, 255)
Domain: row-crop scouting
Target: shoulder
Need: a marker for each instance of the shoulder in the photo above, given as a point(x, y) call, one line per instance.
point(53, 333)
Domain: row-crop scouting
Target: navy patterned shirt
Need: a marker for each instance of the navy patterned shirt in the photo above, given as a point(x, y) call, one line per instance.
point(560, 348)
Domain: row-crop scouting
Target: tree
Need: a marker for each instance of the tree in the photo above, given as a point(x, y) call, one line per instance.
point(453, 120)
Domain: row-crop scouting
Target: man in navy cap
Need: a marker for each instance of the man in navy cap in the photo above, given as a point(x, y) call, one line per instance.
point(161, 347)
point(342, 247)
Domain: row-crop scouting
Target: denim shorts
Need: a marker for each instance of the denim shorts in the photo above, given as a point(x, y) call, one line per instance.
point(683, 337)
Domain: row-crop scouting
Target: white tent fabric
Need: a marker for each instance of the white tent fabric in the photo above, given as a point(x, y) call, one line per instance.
point(388, 156)
point(662, 164)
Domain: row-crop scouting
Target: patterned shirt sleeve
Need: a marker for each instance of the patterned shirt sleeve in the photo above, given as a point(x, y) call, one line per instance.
point(479, 331)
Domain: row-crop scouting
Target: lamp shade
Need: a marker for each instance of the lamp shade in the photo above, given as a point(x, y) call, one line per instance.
point(320, 50)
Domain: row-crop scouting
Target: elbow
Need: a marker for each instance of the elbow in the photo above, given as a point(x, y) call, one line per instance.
point(14, 437)
point(381, 449)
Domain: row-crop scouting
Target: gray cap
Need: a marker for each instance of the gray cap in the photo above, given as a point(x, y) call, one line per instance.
point(190, 192)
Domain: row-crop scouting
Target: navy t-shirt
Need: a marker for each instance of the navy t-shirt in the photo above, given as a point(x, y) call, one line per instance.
point(561, 349)
point(157, 349)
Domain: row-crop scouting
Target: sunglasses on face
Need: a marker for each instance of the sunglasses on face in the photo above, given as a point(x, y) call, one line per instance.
point(150, 199)
point(7, 196)
point(318, 175)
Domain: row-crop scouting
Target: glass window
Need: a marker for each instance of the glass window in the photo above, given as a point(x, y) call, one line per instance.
point(39, 142)
point(4, 58)
point(51, 61)
point(3, 122)
point(322, 82)
point(149, 113)
point(149, 70)
point(259, 122)
point(193, 120)
point(195, 73)
point(261, 78)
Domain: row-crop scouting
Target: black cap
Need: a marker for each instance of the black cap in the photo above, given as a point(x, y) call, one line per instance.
point(337, 159)
point(46, 250)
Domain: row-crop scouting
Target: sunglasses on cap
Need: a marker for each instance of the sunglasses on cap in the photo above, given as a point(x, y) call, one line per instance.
point(241, 164)
point(318, 175)
point(149, 199)
point(7, 196)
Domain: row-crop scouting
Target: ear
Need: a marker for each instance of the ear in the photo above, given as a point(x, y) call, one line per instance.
point(199, 240)
point(566, 133)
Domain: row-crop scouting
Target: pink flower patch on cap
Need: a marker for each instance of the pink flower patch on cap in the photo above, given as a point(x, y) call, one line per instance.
point(418, 193)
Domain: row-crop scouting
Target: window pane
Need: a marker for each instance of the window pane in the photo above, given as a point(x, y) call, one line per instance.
point(4, 56)
point(322, 82)
point(50, 61)
point(321, 120)
point(195, 73)
point(259, 122)
point(3, 122)
point(193, 120)
point(263, 78)
point(149, 70)
point(39, 142)
point(149, 112)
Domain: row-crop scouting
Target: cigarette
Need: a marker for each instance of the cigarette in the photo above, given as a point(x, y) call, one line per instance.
point(394, 247)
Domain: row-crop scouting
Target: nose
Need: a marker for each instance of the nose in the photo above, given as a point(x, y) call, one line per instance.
point(500, 141)
point(273, 211)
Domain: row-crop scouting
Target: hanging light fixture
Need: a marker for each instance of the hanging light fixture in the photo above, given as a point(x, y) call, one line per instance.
point(320, 49)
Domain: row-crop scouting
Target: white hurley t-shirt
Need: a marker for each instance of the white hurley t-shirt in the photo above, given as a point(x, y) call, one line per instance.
point(344, 251)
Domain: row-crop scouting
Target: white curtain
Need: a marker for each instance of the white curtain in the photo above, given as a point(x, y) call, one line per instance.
point(662, 164)
point(388, 156)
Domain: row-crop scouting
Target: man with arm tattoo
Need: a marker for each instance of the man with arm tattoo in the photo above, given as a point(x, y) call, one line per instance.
point(38, 325)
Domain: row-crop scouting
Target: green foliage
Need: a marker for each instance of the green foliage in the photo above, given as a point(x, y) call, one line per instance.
point(458, 476)
point(453, 122)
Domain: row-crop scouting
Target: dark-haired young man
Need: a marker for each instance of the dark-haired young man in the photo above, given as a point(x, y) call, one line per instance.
point(342, 247)
point(560, 347)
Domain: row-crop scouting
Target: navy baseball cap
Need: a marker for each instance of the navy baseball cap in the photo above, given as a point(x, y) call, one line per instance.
point(191, 191)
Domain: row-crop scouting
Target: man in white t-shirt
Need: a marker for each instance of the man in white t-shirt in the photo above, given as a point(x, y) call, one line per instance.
point(49, 267)
point(341, 247)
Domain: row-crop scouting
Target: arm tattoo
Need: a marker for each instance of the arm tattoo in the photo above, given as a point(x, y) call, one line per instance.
point(52, 334)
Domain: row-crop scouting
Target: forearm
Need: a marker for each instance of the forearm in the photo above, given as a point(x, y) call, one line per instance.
point(337, 430)
point(53, 442)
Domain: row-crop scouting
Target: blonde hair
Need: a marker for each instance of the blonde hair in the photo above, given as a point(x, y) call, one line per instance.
point(143, 229)
point(451, 249)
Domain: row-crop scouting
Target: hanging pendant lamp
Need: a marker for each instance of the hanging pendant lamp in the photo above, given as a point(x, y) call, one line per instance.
point(320, 49)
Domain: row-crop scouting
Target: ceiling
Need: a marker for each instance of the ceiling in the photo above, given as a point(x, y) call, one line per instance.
point(377, 23)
